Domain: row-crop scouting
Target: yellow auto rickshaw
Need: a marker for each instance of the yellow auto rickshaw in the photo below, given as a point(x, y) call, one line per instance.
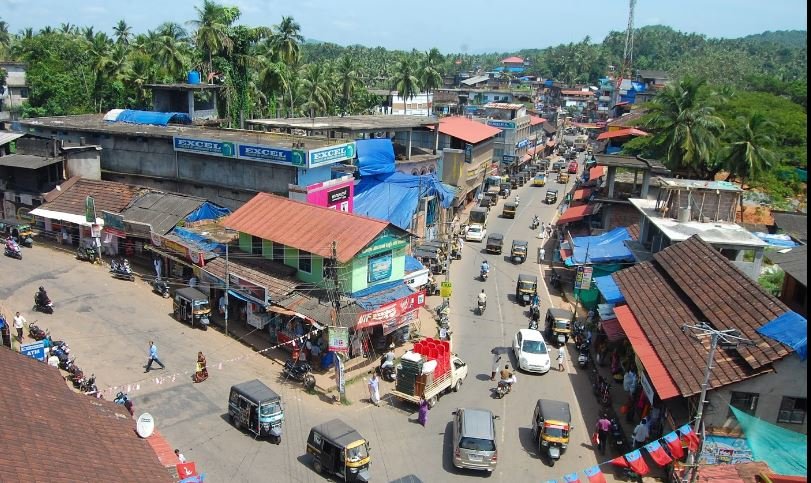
point(338, 449)
point(559, 325)
point(551, 425)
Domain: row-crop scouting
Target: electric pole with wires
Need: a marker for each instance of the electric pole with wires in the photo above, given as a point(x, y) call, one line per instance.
point(335, 295)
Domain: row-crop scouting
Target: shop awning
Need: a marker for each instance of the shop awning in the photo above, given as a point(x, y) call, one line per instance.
point(609, 289)
point(293, 313)
point(68, 217)
point(581, 194)
point(658, 374)
point(597, 172)
point(526, 158)
point(575, 213)
point(169, 255)
point(613, 329)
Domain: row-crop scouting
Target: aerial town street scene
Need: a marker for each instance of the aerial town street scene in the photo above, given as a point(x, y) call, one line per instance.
point(250, 241)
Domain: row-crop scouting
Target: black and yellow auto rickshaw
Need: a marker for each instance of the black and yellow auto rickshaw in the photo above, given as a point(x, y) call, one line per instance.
point(432, 258)
point(526, 288)
point(509, 209)
point(256, 408)
point(19, 230)
point(338, 449)
point(518, 252)
point(551, 425)
point(192, 306)
point(559, 325)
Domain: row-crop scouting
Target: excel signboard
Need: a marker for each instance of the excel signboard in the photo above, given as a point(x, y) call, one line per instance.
point(331, 155)
point(501, 124)
point(271, 154)
point(210, 147)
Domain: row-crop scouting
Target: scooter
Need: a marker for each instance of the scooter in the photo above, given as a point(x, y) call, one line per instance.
point(502, 389)
point(13, 251)
point(535, 224)
point(121, 270)
point(299, 371)
point(46, 308)
point(160, 287)
point(583, 357)
point(617, 438)
point(483, 274)
point(481, 305)
point(387, 371)
point(88, 386)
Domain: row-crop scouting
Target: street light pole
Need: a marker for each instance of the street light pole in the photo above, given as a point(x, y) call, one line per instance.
point(728, 336)
point(226, 289)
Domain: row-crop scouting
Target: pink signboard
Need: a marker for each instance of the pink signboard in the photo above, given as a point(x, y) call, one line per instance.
point(335, 194)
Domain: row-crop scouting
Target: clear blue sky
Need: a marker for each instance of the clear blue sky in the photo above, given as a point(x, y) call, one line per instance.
point(473, 26)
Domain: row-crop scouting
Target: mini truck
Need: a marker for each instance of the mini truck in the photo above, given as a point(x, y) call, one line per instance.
point(451, 380)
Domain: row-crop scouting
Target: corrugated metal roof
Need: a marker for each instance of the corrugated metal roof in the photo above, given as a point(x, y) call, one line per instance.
point(475, 80)
point(7, 137)
point(306, 227)
point(466, 129)
point(161, 210)
point(794, 262)
point(26, 161)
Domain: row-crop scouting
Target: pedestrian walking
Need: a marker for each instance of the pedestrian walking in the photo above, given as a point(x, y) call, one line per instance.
point(603, 427)
point(562, 358)
point(19, 321)
point(495, 366)
point(422, 418)
point(640, 433)
point(153, 357)
point(542, 252)
point(201, 371)
point(374, 389)
point(180, 456)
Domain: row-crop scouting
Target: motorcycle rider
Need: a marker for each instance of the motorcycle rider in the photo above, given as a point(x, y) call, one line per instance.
point(507, 378)
point(535, 221)
point(485, 267)
point(517, 199)
point(42, 297)
point(482, 299)
point(388, 358)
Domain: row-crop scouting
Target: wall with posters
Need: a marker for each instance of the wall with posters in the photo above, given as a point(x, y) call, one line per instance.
point(336, 194)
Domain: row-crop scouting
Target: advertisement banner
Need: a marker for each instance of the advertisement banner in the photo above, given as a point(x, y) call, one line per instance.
point(583, 279)
point(390, 315)
point(248, 289)
point(339, 375)
point(331, 154)
point(90, 209)
point(209, 147)
point(379, 267)
point(445, 290)
point(501, 124)
point(269, 154)
point(338, 339)
point(35, 350)
point(335, 194)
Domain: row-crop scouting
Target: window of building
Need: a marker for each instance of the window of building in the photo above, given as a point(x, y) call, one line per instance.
point(24, 93)
point(256, 245)
point(278, 252)
point(305, 261)
point(744, 401)
point(792, 410)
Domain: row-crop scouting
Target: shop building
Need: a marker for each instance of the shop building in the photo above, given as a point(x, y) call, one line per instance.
point(512, 143)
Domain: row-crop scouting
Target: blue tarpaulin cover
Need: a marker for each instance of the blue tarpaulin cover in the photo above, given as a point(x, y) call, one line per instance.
point(208, 211)
point(393, 197)
point(609, 289)
point(783, 450)
point(791, 329)
point(412, 264)
point(155, 118)
point(198, 240)
point(375, 156)
point(782, 241)
point(606, 248)
point(376, 296)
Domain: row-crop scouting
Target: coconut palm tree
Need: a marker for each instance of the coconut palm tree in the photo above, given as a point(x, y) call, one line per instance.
point(749, 151)
point(348, 81)
point(685, 126)
point(169, 53)
point(5, 37)
point(211, 29)
point(405, 80)
point(430, 71)
point(287, 39)
point(122, 32)
point(273, 81)
point(314, 89)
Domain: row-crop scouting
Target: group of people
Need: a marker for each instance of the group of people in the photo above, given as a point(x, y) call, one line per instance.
point(546, 231)
point(200, 372)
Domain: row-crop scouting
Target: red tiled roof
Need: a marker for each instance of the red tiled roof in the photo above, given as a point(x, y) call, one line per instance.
point(535, 120)
point(738, 473)
point(50, 433)
point(574, 213)
point(466, 129)
point(307, 227)
point(689, 283)
point(621, 133)
point(657, 373)
point(107, 195)
point(512, 60)
point(572, 92)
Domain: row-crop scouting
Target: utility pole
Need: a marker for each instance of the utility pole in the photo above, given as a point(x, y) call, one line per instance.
point(728, 337)
point(227, 278)
point(336, 301)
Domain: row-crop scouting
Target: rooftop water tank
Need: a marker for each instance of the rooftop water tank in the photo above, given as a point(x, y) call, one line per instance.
point(193, 77)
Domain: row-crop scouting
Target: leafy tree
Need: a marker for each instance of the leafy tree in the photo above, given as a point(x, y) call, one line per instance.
point(430, 75)
point(405, 80)
point(748, 152)
point(212, 29)
point(122, 32)
point(772, 281)
point(287, 39)
point(348, 81)
point(314, 89)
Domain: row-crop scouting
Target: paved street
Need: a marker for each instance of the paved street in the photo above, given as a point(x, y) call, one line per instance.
point(108, 324)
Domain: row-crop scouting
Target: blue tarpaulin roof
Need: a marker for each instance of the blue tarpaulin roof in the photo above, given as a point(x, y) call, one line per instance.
point(393, 197)
point(609, 289)
point(198, 240)
point(782, 241)
point(412, 264)
point(376, 296)
point(150, 117)
point(208, 211)
point(375, 156)
point(606, 248)
point(791, 329)
point(785, 451)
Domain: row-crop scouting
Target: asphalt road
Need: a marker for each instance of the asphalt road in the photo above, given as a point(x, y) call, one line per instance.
point(108, 324)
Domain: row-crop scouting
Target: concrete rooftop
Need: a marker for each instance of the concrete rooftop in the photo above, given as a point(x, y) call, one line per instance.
point(94, 123)
point(348, 123)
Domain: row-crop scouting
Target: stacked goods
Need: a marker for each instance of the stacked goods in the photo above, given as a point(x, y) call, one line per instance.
point(411, 363)
point(435, 350)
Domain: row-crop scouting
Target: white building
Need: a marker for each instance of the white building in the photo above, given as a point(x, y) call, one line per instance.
point(419, 105)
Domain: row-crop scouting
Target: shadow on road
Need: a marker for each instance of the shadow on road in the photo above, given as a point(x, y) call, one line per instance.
point(528, 441)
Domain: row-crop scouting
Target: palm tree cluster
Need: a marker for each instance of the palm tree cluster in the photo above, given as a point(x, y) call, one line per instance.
point(417, 72)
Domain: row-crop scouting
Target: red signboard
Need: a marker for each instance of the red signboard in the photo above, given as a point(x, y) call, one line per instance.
point(185, 470)
point(391, 315)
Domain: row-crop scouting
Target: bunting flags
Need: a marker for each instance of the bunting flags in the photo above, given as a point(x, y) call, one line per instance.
point(619, 461)
point(693, 441)
point(657, 453)
point(594, 475)
point(571, 478)
point(674, 445)
point(637, 463)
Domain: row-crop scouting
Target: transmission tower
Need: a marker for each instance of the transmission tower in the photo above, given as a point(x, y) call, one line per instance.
point(628, 54)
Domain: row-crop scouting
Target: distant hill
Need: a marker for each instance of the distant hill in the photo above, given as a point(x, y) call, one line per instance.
point(786, 38)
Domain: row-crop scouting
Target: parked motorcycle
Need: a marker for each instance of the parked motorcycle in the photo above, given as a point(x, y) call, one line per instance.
point(122, 270)
point(160, 287)
point(554, 280)
point(299, 371)
point(87, 253)
point(387, 372)
point(88, 386)
point(617, 437)
point(124, 400)
point(13, 251)
point(583, 357)
point(46, 306)
point(36, 333)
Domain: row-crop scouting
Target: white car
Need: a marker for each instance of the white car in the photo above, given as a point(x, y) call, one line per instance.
point(531, 351)
point(475, 233)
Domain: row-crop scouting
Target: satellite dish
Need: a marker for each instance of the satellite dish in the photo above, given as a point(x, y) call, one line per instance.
point(145, 425)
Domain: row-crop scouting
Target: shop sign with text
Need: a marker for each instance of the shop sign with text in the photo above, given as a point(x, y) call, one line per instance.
point(331, 154)
point(383, 244)
point(210, 147)
point(501, 124)
point(391, 313)
point(271, 154)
